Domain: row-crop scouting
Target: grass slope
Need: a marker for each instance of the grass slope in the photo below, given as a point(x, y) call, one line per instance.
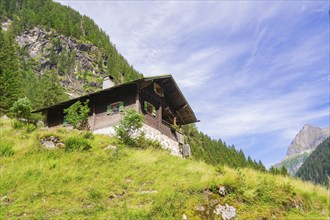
point(130, 183)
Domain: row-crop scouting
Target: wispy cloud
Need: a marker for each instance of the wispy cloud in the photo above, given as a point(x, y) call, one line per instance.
point(254, 72)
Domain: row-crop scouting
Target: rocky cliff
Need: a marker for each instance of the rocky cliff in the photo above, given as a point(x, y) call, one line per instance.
point(305, 142)
point(308, 138)
point(80, 65)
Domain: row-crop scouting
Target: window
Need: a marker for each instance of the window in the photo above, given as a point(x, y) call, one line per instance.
point(158, 90)
point(149, 108)
point(115, 108)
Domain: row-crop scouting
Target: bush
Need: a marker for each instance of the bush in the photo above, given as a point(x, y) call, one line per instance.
point(77, 115)
point(130, 123)
point(88, 135)
point(17, 124)
point(76, 144)
point(30, 128)
point(220, 169)
point(22, 108)
point(6, 149)
point(143, 142)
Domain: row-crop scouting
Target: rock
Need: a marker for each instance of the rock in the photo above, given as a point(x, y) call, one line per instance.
point(227, 212)
point(184, 217)
point(128, 180)
point(222, 191)
point(110, 147)
point(6, 24)
point(42, 48)
point(200, 208)
point(148, 191)
point(51, 142)
point(213, 202)
point(305, 142)
point(5, 198)
point(60, 145)
point(308, 138)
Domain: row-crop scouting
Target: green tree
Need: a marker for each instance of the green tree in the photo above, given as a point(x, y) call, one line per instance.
point(77, 115)
point(129, 125)
point(21, 109)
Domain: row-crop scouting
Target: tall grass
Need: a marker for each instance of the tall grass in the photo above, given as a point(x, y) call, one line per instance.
point(128, 183)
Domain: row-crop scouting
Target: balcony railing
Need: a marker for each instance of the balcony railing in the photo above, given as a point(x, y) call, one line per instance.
point(168, 130)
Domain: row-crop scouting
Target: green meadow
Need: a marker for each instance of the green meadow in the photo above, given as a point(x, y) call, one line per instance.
point(84, 178)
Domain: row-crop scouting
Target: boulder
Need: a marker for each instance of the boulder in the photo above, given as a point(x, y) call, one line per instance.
point(51, 142)
point(222, 191)
point(227, 212)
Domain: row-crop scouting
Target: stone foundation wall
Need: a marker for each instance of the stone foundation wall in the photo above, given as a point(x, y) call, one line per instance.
point(165, 141)
point(150, 133)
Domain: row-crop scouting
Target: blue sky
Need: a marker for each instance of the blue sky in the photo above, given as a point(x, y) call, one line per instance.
point(254, 72)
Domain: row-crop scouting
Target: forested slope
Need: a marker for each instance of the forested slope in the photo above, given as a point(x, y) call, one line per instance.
point(68, 48)
point(317, 166)
point(217, 152)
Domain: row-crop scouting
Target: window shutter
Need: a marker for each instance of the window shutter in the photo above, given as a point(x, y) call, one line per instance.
point(121, 106)
point(153, 111)
point(109, 110)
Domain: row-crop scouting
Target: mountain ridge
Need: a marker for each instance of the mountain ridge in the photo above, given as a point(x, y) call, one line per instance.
point(307, 139)
point(304, 143)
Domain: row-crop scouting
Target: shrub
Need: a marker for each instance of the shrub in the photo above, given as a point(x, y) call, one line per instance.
point(6, 149)
point(143, 142)
point(88, 135)
point(17, 124)
point(30, 128)
point(129, 125)
point(220, 169)
point(22, 108)
point(77, 115)
point(76, 144)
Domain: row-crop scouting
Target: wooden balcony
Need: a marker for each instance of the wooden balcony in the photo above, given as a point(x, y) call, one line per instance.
point(168, 130)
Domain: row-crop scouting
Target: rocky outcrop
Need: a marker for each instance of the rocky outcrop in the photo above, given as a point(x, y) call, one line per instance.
point(308, 138)
point(79, 64)
point(226, 212)
point(305, 142)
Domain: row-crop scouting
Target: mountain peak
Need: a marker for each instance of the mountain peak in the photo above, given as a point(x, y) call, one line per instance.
point(307, 139)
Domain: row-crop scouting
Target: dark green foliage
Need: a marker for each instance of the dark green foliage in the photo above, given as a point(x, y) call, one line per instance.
point(9, 71)
point(6, 149)
point(22, 109)
point(144, 143)
point(217, 152)
point(317, 166)
point(17, 80)
point(77, 114)
point(76, 144)
point(27, 14)
point(279, 171)
point(88, 135)
point(129, 125)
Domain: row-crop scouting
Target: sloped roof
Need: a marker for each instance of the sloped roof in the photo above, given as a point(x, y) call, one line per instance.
point(167, 82)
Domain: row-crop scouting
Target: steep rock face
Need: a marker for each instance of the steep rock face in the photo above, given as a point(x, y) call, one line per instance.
point(308, 138)
point(305, 142)
point(80, 65)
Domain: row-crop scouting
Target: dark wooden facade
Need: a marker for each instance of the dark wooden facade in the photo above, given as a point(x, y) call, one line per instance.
point(170, 109)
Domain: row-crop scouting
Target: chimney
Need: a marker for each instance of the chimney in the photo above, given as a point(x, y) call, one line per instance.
point(108, 82)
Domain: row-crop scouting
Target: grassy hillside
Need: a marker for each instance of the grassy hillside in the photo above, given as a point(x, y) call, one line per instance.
point(135, 184)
